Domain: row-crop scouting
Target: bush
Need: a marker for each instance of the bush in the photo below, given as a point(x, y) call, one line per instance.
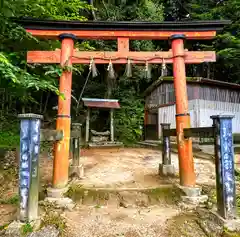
point(129, 119)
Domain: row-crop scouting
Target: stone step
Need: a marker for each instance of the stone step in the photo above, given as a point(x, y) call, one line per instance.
point(148, 144)
point(105, 144)
point(124, 197)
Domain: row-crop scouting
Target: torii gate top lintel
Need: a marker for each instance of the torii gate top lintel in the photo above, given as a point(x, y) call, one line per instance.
point(122, 32)
point(113, 30)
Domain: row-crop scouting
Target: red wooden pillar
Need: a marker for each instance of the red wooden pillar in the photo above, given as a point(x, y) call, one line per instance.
point(61, 155)
point(185, 156)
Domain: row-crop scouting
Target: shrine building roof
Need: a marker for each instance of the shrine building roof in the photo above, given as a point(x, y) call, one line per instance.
point(101, 103)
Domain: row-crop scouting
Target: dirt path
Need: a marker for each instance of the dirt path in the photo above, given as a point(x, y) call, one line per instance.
point(121, 168)
point(111, 222)
point(130, 168)
point(127, 167)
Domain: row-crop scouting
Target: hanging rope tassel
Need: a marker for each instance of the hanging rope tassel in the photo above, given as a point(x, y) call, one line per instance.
point(148, 71)
point(93, 68)
point(164, 70)
point(111, 72)
point(128, 71)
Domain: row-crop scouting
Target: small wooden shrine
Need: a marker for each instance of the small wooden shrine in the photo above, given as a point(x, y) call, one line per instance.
point(94, 138)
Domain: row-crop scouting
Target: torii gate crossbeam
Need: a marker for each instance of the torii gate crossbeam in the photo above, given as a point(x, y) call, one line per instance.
point(177, 32)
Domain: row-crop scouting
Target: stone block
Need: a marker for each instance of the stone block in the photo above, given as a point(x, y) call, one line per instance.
point(14, 229)
point(56, 192)
point(191, 191)
point(48, 231)
point(65, 203)
point(195, 200)
point(166, 170)
point(77, 170)
point(230, 224)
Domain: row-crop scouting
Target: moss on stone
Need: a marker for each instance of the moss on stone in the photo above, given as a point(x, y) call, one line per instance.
point(169, 195)
point(227, 233)
point(166, 195)
point(77, 193)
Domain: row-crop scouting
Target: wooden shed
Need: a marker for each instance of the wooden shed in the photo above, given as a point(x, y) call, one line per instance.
point(206, 97)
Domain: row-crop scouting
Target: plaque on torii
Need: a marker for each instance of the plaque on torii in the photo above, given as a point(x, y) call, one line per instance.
point(176, 32)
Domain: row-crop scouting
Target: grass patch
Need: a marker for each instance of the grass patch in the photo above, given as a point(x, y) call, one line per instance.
point(9, 132)
point(3, 227)
point(227, 233)
point(26, 229)
point(9, 139)
point(14, 200)
point(52, 218)
point(10, 174)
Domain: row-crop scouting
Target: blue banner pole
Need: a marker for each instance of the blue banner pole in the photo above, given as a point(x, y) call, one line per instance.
point(28, 165)
point(224, 159)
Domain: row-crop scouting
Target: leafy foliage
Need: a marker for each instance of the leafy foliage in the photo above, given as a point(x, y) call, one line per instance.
point(13, 67)
point(129, 119)
point(226, 44)
point(9, 134)
point(62, 9)
point(30, 84)
point(150, 11)
point(26, 229)
point(19, 76)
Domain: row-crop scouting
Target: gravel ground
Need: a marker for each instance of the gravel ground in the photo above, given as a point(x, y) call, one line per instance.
point(120, 168)
point(109, 222)
point(134, 168)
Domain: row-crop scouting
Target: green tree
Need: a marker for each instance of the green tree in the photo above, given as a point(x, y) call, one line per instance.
point(129, 119)
point(15, 74)
point(227, 43)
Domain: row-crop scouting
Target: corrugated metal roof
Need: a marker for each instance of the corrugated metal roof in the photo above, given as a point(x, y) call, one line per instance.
point(199, 80)
point(101, 103)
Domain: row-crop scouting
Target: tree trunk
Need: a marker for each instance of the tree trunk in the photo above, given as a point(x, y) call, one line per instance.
point(208, 71)
point(93, 12)
point(46, 103)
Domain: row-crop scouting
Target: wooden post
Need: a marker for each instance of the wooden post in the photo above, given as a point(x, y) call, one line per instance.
point(111, 125)
point(166, 168)
point(225, 172)
point(76, 128)
point(28, 165)
point(87, 125)
point(61, 156)
point(166, 152)
point(77, 167)
point(186, 165)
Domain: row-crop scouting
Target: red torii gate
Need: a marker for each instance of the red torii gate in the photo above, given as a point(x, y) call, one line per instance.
point(177, 32)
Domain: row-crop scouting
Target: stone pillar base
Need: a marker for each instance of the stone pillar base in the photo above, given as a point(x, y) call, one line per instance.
point(166, 170)
point(192, 195)
point(77, 170)
point(195, 200)
point(57, 198)
point(56, 192)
